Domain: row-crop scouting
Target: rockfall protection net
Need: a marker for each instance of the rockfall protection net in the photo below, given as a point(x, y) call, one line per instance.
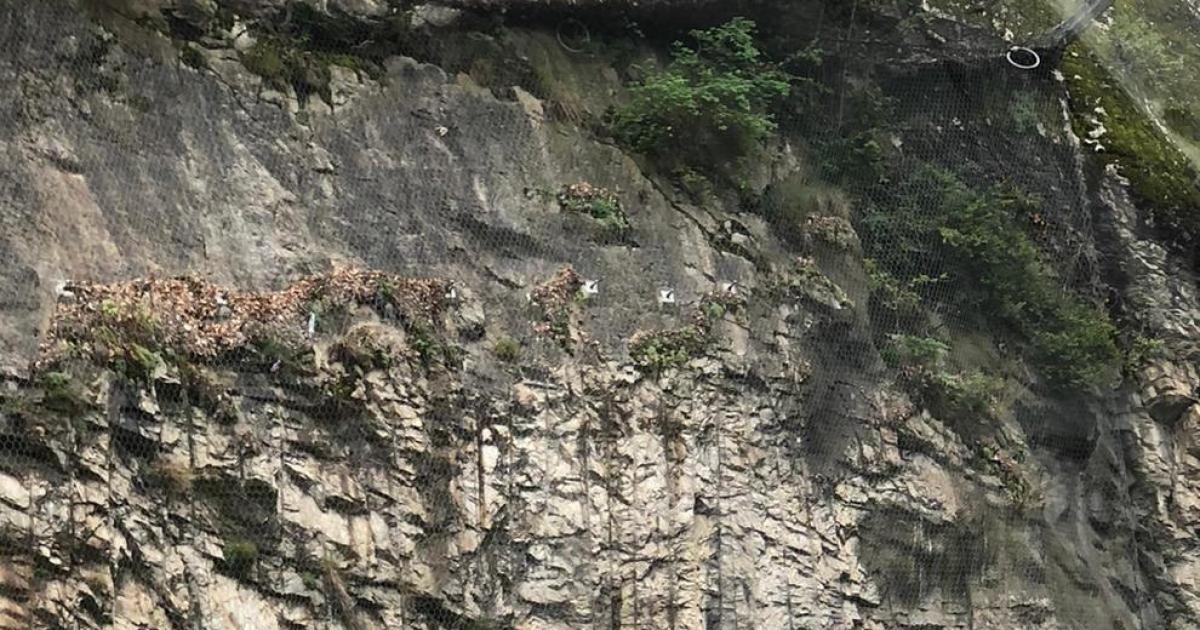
point(328, 337)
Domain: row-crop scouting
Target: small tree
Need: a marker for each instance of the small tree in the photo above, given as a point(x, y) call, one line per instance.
point(713, 97)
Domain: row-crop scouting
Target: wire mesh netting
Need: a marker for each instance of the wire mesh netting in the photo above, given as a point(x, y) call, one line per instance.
point(778, 315)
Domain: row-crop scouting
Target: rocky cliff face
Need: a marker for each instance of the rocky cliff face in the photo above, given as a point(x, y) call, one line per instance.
point(389, 395)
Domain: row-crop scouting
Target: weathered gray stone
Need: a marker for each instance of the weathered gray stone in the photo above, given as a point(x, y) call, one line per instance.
point(776, 480)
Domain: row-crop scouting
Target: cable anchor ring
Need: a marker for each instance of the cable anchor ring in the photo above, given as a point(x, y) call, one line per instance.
point(1031, 58)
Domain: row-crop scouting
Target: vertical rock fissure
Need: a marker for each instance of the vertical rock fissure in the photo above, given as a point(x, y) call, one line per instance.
point(670, 473)
point(72, 502)
point(585, 444)
point(31, 544)
point(278, 430)
point(510, 482)
point(164, 507)
point(719, 515)
point(480, 476)
point(111, 412)
point(614, 581)
point(189, 528)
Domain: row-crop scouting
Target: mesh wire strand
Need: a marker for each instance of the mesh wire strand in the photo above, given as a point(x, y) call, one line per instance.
point(227, 497)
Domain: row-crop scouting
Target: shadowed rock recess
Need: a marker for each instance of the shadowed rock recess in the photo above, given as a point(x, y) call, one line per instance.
point(382, 314)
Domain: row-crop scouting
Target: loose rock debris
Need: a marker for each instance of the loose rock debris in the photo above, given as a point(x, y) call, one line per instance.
point(195, 317)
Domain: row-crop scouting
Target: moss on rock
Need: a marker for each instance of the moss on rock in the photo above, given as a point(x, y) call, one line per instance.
point(1161, 177)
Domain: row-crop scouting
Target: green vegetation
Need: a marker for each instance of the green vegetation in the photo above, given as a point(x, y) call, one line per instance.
point(507, 349)
point(1024, 112)
point(947, 395)
point(909, 352)
point(192, 57)
point(1161, 177)
point(792, 205)
point(805, 281)
point(240, 556)
point(266, 59)
point(59, 390)
point(130, 341)
point(62, 393)
point(279, 353)
point(284, 63)
point(963, 396)
point(715, 306)
point(15, 405)
point(993, 267)
point(856, 157)
point(714, 310)
point(431, 351)
point(385, 294)
point(696, 184)
point(311, 581)
point(714, 97)
point(343, 395)
point(656, 351)
point(1073, 342)
point(667, 349)
point(598, 203)
point(897, 305)
point(1141, 350)
point(282, 66)
point(202, 324)
point(143, 362)
point(833, 231)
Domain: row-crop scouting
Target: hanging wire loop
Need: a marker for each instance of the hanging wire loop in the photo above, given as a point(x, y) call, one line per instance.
point(1023, 58)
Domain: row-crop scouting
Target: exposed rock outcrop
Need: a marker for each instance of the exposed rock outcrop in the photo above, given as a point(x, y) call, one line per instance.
point(677, 419)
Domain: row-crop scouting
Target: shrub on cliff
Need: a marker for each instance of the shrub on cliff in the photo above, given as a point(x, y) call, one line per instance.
point(993, 266)
point(713, 97)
